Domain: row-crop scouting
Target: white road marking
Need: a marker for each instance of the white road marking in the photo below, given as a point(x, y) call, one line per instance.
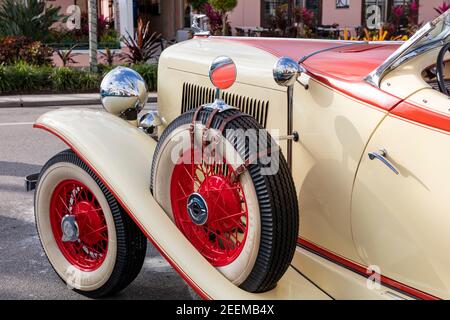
point(16, 124)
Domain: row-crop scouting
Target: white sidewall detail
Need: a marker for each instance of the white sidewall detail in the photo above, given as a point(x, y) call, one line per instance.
point(74, 277)
point(238, 270)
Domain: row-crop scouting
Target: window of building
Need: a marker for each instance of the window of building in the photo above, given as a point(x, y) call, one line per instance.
point(316, 7)
point(268, 8)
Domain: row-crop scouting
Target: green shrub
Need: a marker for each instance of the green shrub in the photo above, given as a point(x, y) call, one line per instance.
point(89, 81)
point(5, 84)
point(149, 72)
point(65, 79)
point(13, 49)
point(24, 78)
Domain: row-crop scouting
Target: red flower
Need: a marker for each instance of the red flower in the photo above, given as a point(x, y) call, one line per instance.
point(399, 11)
point(443, 7)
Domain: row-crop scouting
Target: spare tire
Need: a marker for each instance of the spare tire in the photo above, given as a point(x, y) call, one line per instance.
point(244, 223)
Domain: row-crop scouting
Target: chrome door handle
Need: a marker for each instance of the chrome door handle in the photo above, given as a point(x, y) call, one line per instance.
point(382, 156)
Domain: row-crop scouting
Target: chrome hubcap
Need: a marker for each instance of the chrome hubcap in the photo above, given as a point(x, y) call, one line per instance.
point(69, 227)
point(197, 209)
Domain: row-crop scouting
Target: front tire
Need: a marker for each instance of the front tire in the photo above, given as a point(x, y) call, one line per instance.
point(91, 243)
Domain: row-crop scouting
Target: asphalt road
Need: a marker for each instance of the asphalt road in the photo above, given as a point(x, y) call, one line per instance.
point(25, 272)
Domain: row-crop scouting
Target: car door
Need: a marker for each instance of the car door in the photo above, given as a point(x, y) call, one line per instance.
point(334, 129)
point(401, 220)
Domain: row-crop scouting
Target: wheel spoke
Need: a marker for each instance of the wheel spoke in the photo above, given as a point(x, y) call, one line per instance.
point(221, 238)
point(71, 197)
point(240, 214)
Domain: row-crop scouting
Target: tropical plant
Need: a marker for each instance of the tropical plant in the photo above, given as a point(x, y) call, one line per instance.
point(15, 48)
point(223, 7)
point(403, 17)
point(31, 18)
point(67, 56)
point(305, 22)
point(215, 20)
point(103, 25)
point(109, 56)
point(443, 7)
point(143, 46)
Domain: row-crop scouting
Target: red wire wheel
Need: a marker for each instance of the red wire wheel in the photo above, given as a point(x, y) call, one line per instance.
point(88, 249)
point(210, 209)
point(244, 223)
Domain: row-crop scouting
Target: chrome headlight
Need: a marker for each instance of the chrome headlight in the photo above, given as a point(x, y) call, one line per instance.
point(123, 93)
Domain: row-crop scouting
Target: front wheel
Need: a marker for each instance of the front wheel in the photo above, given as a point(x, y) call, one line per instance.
point(94, 247)
point(244, 223)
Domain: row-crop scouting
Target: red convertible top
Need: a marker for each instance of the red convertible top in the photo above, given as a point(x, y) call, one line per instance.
point(345, 60)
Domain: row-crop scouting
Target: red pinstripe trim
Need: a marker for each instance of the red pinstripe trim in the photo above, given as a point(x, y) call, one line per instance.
point(186, 278)
point(423, 116)
point(359, 91)
point(363, 271)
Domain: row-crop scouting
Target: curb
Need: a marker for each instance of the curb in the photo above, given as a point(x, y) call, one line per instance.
point(20, 103)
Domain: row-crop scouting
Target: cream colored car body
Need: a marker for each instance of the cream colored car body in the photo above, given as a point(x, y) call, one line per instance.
point(356, 216)
point(351, 207)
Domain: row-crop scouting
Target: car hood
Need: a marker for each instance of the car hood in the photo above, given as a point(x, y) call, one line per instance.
point(343, 60)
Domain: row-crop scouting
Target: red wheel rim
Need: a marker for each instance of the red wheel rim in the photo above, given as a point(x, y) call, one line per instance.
point(73, 198)
point(222, 237)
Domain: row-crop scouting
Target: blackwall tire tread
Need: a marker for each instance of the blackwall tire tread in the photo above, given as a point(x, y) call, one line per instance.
point(131, 242)
point(277, 204)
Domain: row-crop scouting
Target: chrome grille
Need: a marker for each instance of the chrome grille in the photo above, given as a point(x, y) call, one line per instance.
point(195, 96)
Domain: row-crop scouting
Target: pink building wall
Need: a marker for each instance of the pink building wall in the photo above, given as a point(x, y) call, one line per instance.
point(246, 14)
point(346, 17)
point(426, 10)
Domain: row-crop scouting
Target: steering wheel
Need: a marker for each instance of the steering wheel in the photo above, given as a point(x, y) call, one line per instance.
point(440, 69)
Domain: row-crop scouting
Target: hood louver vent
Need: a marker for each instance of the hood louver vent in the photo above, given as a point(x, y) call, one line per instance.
point(195, 96)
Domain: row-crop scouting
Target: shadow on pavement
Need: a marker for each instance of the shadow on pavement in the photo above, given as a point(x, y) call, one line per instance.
point(18, 169)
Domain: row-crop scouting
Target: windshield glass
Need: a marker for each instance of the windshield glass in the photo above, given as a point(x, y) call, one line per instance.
point(434, 33)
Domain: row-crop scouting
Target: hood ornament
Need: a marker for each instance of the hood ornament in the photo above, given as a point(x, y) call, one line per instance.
point(198, 25)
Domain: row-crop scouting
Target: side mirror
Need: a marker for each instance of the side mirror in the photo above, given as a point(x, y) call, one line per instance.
point(286, 71)
point(124, 93)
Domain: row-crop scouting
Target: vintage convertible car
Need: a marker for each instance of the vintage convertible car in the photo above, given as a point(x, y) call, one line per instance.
point(273, 169)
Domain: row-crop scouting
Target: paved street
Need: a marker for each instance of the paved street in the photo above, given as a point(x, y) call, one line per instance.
point(24, 270)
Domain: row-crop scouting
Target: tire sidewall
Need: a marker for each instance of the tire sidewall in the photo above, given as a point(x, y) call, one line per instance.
point(74, 277)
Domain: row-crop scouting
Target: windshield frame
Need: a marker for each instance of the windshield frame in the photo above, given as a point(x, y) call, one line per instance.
point(410, 49)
